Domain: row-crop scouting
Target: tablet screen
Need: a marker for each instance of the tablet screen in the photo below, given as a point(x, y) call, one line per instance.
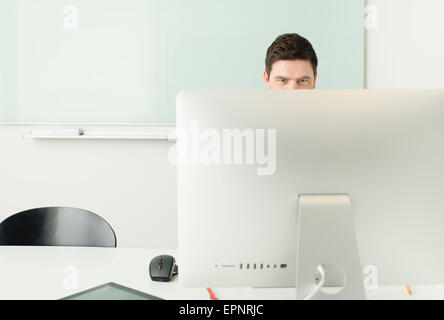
point(111, 291)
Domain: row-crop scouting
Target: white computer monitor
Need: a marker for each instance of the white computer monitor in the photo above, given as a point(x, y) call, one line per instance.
point(237, 203)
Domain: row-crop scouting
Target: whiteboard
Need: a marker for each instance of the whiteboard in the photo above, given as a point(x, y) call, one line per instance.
point(124, 61)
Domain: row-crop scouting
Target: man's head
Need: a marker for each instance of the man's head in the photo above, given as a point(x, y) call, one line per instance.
point(291, 63)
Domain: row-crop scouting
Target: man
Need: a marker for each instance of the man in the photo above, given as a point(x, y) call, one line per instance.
point(291, 63)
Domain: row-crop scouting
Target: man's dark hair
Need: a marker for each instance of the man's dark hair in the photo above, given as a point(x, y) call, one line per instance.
point(290, 46)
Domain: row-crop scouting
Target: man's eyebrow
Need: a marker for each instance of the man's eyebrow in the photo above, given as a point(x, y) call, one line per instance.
point(305, 78)
point(281, 78)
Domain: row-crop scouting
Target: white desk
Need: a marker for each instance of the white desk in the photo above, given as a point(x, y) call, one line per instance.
point(48, 272)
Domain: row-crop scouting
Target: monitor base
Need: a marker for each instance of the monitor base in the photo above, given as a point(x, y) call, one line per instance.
point(326, 238)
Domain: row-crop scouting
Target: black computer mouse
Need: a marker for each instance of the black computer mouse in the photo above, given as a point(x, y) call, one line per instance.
point(163, 268)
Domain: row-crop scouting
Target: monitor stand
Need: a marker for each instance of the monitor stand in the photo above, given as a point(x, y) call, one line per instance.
point(326, 236)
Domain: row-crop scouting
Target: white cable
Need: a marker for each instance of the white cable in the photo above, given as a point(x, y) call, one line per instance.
point(321, 283)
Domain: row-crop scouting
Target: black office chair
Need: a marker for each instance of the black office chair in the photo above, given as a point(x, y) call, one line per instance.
point(57, 226)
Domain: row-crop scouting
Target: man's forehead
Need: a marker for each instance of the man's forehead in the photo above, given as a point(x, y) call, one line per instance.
point(292, 68)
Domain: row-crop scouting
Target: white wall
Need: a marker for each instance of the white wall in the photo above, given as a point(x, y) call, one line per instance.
point(406, 51)
point(129, 183)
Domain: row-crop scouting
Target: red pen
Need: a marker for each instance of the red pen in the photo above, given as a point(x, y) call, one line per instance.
point(212, 295)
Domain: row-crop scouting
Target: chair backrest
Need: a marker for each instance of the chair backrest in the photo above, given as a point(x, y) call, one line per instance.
point(57, 226)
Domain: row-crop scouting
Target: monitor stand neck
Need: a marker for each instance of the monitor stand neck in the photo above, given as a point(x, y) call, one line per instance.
point(326, 237)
